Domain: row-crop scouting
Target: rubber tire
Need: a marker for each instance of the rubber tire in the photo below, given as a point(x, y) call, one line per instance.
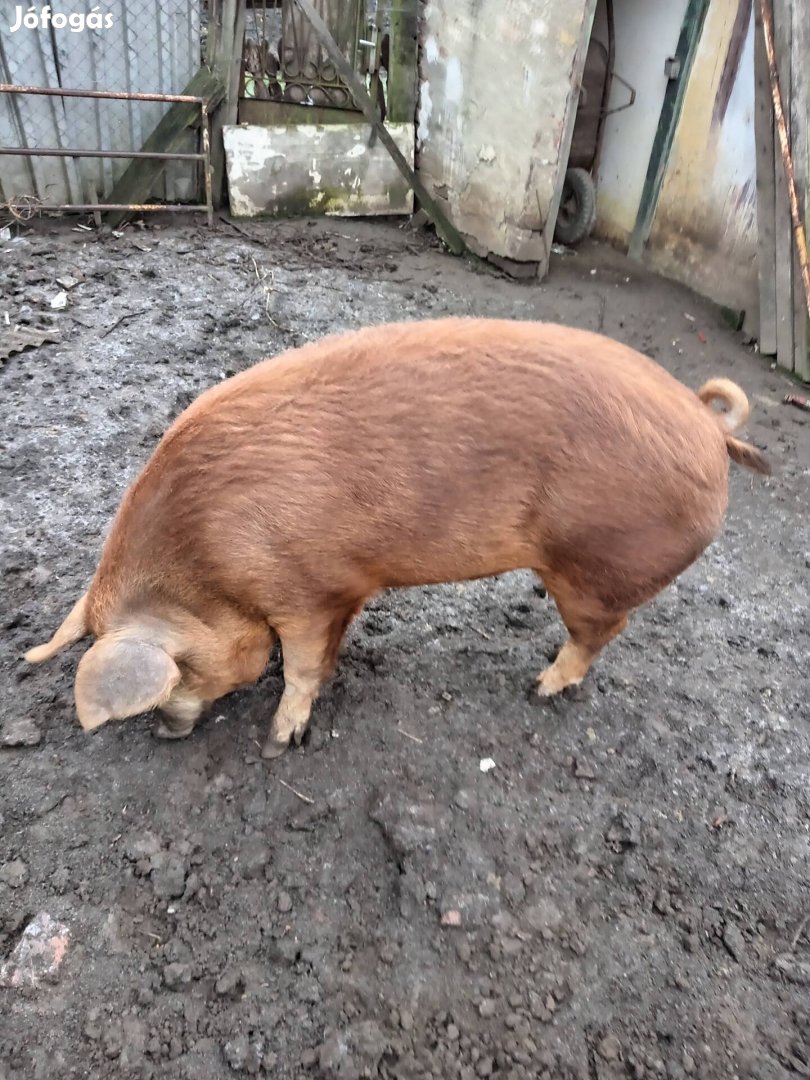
point(579, 187)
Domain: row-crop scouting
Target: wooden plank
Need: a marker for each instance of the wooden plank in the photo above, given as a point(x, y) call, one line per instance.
point(569, 120)
point(800, 152)
point(225, 44)
point(766, 193)
point(288, 171)
point(783, 223)
point(403, 48)
point(142, 175)
point(448, 232)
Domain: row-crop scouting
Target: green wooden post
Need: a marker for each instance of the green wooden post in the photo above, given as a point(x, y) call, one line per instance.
point(402, 58)
point(674, 94)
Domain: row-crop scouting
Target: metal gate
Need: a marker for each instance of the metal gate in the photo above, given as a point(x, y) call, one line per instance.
point(141, 46)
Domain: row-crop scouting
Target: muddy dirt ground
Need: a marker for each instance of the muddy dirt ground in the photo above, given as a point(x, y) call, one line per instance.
point(632, 879)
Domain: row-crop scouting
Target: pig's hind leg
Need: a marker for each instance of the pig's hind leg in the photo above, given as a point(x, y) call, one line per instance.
point(590, 626)
point(309, 648)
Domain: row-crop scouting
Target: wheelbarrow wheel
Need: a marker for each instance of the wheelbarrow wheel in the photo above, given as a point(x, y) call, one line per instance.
point(577, 212)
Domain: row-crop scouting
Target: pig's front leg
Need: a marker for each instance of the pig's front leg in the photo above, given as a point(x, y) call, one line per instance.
point(308, 657)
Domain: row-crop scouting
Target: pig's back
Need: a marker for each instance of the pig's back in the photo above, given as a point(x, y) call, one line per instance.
point(424, 452)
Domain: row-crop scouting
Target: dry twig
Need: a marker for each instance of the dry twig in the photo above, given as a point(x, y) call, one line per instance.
point(298, 795)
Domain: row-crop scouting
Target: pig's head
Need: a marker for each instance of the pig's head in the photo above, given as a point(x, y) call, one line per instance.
point(167, 660)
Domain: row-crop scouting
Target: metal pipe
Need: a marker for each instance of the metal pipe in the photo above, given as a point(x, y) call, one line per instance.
point(111, 95)
point(176, 208)
point(27, 151)
point(63, 152)
point(205, 125)
point(603, 108)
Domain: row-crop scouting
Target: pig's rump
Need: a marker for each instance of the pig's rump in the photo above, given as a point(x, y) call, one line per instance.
point(431, 452)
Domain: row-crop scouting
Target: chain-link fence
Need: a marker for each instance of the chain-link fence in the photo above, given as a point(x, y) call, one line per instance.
point(140, 46)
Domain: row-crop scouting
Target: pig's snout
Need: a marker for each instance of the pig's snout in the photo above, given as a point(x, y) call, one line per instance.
point(179, 715)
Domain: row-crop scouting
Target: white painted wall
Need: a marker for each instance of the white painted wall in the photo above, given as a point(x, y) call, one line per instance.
point(705, 228)
point(647, 33)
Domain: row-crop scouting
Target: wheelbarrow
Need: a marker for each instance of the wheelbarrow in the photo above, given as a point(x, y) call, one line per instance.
point(577, 214)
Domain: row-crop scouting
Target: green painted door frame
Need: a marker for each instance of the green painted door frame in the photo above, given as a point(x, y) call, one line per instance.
point(691, 28)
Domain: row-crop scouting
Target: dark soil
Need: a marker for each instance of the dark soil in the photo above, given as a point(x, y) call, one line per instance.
point(631, 879)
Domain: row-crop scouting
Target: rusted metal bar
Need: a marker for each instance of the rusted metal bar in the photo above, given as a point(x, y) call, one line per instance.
point(27, 151)
point(784, 144)
point(171, 208)
point(204, 156)
point(205, 134)
point(111, 95)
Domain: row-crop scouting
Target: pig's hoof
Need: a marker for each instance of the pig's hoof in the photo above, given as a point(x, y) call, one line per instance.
point(274, 748)
point(550, 683)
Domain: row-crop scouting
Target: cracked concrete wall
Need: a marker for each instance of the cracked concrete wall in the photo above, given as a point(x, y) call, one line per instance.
point(493, 122)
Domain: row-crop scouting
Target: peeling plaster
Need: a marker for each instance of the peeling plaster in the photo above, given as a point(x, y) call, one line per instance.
point(424, 115)
point(308, 168)
point(494, 95)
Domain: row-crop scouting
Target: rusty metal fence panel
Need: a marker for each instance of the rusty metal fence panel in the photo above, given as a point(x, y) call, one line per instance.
point(141, 46)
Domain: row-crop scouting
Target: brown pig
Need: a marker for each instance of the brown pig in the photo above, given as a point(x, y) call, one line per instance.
point(284, 498)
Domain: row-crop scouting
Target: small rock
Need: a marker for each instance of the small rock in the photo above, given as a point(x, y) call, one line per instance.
point(734, 942)
point(141, 845)
point(38, 955)
point(284, 902)
point(661, 902)
point(451, 918)
point(176, 976)
point(112, 1041)
point(334, 1055)
point(538, 1009)
point(92, 1028)
point(14, 874)
point(242, 1055)
point(609, 1048)
point(487, 1008)
point(463, 950)
point(231, 983)
point(794, 970)
point(583, 770)
point(624, 831)
point(513, 888)
point(253, 858)
point(406, 1020)
point(59, 302)
point(168, 876)
point(543, 916)
point(20, 732)
point(60, 879)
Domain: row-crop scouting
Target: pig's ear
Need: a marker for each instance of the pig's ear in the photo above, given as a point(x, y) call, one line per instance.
point(121, 677)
